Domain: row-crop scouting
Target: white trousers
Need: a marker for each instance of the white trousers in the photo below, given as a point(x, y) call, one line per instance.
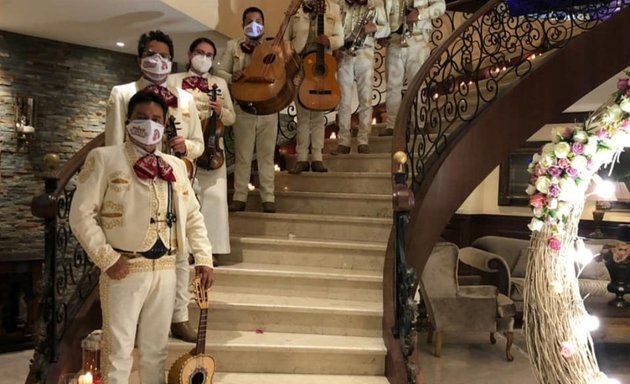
point(260, 132)
point(310, 133)
point(144, 299)
point(359, 69)
point(402, 63)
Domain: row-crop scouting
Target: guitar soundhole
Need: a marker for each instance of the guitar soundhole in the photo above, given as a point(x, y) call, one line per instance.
point(270, 58)
point(319, 70)
point(198, 378)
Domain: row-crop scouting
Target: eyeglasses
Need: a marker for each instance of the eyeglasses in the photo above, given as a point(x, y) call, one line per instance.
point(165, 56)
point(209, 55)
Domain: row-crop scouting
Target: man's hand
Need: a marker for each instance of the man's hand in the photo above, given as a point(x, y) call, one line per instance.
point(206, 274)
point(216, 107)
point(383, 42)
point(412, 17)
point(323, 40)
point(338, 54)
point(178, 144)
point(369, 28)
point(119, 270)
point(237, 75)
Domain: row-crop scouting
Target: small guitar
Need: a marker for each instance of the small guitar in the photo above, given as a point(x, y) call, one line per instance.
point(213, 156)
point(195, 367)
point(319, 90)
point(171, 131)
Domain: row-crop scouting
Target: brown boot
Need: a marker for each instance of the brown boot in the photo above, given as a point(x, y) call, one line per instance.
point(363, 148)
point(387, 132)
point(236, 206)
point(318, 166)
point(269, 207)
point(184, 331)
point(341, 150)
point(300, 166)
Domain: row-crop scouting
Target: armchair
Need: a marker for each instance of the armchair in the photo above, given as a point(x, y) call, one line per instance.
point(462, 308)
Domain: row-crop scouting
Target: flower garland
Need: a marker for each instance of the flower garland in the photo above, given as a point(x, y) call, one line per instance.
point(562, 171)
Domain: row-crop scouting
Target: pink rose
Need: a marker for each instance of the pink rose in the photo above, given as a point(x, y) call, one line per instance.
point(554, 243)
point(538, 200)
point(564, 163)
point(572, 172)
point(601, 133)
point(567, 349)
point(577, 148)
point(554, 190)
point(554, 171)
point(622, 84)
point(532, 179)
point(539, 171)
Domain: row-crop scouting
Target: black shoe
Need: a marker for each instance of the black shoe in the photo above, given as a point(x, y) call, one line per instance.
point(363, 148)
point(269, 207)
point(236, 206)
point(387, 132)
point(341, 150)
point(184, 331)
point(318, 166)
point(300, 166)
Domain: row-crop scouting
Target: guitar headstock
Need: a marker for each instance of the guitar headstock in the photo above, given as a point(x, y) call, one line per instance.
point(293, 7)
point(201, 294)
point(320, 7)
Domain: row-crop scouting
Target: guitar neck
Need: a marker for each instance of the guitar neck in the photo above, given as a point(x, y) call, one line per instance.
point(201, 333)
point(321, 49)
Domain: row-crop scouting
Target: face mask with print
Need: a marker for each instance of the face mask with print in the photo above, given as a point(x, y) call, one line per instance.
point(145, 132)
point(253, 30)
point(201, 63)
point(156, 67)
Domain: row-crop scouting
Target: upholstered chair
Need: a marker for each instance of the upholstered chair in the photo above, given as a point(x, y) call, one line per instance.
point(474, 308)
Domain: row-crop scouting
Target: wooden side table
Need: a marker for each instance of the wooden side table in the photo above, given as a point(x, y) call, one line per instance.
point(614, 322)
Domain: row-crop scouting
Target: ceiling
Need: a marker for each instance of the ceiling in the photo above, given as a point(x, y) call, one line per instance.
point(103, 23)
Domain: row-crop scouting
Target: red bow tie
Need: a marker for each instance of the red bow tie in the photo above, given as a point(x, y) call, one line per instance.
point(169, 98)
point(149, 166)
point(195, 82)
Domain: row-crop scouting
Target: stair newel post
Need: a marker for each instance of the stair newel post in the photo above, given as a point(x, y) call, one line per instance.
point(404, 276)
point(45, 207)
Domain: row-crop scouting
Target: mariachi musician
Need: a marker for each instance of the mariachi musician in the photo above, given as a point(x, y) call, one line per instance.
point(211, 184)
point(250, 131)
point(302, 33)
point(364, 20)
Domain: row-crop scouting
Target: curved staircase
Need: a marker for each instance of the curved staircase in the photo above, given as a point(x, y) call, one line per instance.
point(299, 299)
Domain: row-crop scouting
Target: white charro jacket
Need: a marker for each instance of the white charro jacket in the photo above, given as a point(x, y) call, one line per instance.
point(186, 115)
point(112, 208)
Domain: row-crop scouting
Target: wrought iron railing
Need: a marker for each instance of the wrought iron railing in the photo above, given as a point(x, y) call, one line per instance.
point(477, 57)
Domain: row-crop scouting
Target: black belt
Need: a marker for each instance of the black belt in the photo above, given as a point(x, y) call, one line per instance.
point(155, 252)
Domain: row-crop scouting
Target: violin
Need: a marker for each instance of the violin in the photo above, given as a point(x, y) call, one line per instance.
point(213, 156)
point(171, 132)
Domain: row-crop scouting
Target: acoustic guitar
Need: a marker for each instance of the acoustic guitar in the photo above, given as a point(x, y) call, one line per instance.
point(171, 131)
point(266, 86)
point(213, 156)
point(319, 91)
point(195, 367)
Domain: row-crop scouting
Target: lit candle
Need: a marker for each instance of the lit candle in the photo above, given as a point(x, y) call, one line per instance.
point(374, 121)
point(333, 135)
point(276, 167)
point(85, 379)
point(250, 186)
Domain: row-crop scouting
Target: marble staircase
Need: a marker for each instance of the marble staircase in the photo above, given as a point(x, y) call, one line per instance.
point(299, 299)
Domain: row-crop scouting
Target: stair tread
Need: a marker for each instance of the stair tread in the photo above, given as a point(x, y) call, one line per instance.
point(283, 241)
point(284, 342)
point(314, 217)
point(294, 304)
point(383, 155)
point(384, 175)
point(333, 195)
point(299, 271)
point(286, 378)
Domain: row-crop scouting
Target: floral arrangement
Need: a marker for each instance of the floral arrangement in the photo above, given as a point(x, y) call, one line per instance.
point(562, 171)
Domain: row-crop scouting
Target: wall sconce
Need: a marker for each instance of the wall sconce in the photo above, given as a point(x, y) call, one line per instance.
point(24, 125)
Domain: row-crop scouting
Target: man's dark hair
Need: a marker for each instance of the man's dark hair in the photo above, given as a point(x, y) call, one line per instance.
point(146, 97)
point(156, 35)
point(200, 40)
point(253, 9)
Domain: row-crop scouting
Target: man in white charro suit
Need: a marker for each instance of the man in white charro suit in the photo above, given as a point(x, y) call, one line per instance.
point(408, 47)
point(133, 210)
point(155, 52)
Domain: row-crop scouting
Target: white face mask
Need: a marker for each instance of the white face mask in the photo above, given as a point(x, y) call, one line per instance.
point(253, 30)
point(156, 67)
point(146, 132)
point(201, 63)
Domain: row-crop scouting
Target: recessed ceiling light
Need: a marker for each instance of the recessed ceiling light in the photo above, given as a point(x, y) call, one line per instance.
point(120, 44)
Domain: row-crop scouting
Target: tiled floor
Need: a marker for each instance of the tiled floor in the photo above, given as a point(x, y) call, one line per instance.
point(466, 359)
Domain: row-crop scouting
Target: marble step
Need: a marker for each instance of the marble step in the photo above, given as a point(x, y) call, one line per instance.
point(369, 162)
point(340, 182)
point(271, 352)
point(359, 255)
point(299, 281)
point(270, 378)
point(305, 226)
point(231, 311)
point(327, 203)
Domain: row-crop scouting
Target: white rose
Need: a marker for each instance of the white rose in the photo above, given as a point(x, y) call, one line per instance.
point(562, 150)
point(563, 208)
point(548, 148)
point(543, 183)
point(579, 162)
point(591, 146)
point(580, 137)
point(547, 160)
point(535, 225)
point(568, 189)
point(552, 203)
point(538, 212)
point(625, 104)
point(614, 112)
point(530, 190)
point(536, 158)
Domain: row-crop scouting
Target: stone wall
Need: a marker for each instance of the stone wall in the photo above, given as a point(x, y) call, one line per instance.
point(70, 85)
